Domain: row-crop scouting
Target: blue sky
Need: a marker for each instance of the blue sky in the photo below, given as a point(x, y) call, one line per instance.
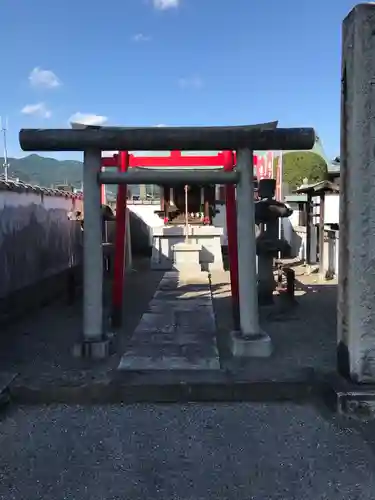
point(172, 62)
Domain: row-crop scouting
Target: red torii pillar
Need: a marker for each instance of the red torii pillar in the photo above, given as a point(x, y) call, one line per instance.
point(231, 219)
point(120, 244)
point(103, 192)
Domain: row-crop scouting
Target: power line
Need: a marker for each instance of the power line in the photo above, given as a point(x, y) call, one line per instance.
point(4, 128)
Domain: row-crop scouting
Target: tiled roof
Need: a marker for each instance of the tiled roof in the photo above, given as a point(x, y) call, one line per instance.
point(319, 187)
point(21, 187)
point(334, 166)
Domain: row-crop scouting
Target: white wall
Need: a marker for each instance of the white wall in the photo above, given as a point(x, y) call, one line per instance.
point(147, 214)
point(220, 220)
point(331, 209)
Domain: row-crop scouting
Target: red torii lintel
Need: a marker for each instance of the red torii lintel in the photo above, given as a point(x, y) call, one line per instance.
point(175, 159)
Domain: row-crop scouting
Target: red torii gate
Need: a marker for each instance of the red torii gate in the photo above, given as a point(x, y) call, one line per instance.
point(122, 161)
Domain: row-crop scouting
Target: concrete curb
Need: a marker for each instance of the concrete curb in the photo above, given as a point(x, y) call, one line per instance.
point(165, 387)
point(6, 380)
point(337, 394)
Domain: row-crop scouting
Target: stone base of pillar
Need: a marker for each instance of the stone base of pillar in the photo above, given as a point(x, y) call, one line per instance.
point(348, 398)
point(186, 258)
point(250, 346)
point(99, 349)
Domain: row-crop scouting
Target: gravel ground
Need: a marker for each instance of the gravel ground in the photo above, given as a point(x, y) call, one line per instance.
point(303, 336)
point(196, 451)
point(39, 347)
point(240, 451)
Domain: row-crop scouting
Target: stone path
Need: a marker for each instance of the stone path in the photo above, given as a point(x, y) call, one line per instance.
point(177, 331)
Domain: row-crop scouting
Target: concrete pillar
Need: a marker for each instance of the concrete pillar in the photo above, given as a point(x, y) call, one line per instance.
point(93, 344)
point(142, 192)
point(356, 311)
point(250, 341)
point(128, 245)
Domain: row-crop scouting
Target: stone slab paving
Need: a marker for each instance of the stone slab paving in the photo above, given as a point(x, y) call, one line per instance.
point(177, 331)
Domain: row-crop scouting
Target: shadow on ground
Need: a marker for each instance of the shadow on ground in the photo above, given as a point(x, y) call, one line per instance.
point(39, 349)
point(303, 333)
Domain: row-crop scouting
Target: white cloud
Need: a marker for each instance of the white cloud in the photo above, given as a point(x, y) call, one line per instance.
point(88, 119)
point(140, 37)
point(39, 109)
point(160, 125)
point(166, 4)
point(194, 82)
point(44, 78)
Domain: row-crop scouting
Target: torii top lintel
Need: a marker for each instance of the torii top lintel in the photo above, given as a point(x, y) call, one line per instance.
point(174, 159)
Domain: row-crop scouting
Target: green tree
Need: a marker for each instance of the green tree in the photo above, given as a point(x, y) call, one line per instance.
point(298, 165)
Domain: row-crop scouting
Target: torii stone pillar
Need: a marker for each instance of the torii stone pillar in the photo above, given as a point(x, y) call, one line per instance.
point(356, 302)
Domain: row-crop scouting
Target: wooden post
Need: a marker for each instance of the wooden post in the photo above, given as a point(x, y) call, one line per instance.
point(309, 216)
point(167, 200)
point(162, 196)
point(206, 204)
point(321, 234)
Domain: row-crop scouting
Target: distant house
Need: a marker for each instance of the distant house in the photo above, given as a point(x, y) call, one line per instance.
point(334, 170)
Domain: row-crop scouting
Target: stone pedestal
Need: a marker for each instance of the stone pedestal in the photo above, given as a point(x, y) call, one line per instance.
point(186, 258)
point(99, 349)
point(250, 346)
point(356, 311)
point(208, 237)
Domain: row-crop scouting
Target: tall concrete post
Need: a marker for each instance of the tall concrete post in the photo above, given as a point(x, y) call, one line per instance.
point(250, 341)
point(128, 244)
point(93, 344)
point(356, 311)
point(142, 192)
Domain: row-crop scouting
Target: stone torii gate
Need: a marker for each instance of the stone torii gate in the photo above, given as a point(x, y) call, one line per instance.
point(250, 341)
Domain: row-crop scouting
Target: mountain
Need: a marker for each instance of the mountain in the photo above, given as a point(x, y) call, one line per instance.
point(35, 169)
point(47, 172)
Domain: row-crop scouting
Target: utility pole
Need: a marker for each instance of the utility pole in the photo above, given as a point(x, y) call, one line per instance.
point(4, 128)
